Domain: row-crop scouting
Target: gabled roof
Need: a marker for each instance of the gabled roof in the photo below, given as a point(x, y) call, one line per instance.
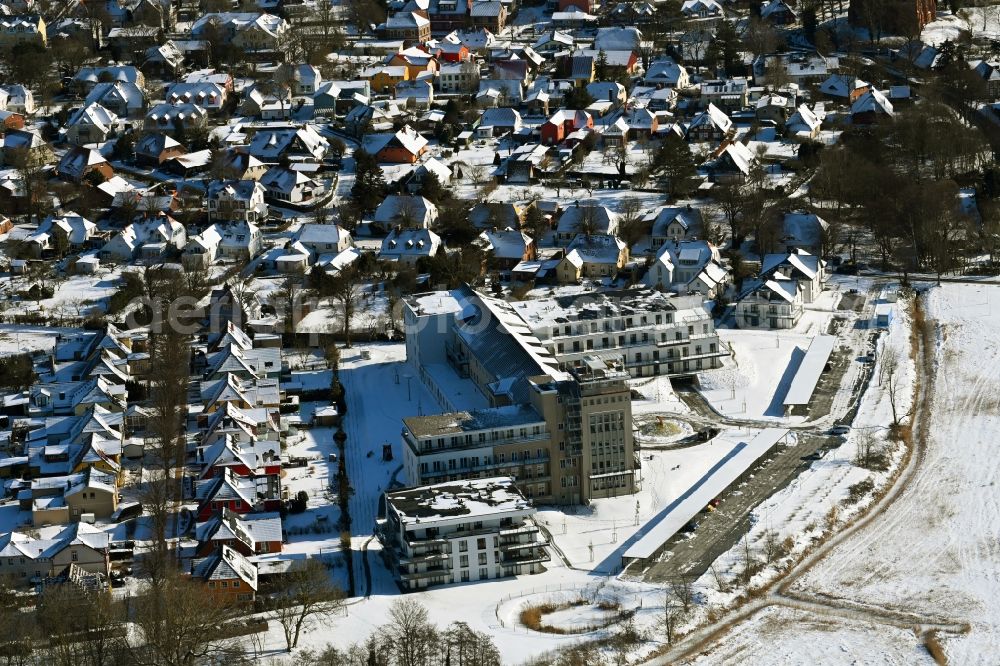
point(227, 564)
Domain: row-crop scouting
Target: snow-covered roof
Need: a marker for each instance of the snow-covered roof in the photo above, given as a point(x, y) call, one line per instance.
point(810, 368)
point(457, 501)
point(654, 534)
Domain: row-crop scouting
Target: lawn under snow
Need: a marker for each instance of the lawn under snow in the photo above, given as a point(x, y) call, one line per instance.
point(933, 552)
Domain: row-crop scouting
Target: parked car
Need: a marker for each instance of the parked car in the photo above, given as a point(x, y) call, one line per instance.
point(839, 430)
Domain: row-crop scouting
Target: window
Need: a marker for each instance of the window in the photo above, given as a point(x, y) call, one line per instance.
point(484, 572)
point(225, 584)
point(465, 576)
point(463, 561)
point(236, 583)
point(463, 546)
point(480, 544)
point(482, 558)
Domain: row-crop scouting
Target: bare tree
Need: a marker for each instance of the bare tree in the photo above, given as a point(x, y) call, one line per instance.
point(179, 624)
point(670, 619)
point(413, 637)
point(683, 590)
point(889, 377)
point(307, 596)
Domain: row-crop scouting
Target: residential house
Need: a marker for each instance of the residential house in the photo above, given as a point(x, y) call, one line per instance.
point(702, 9)
point(408, 246)
point(341, 97)
point(149, 239)
point(20, 99)
point(238, 494)
point(688, 267)
point(806, 269)
point(285, 186)
point(123, 98)
point(773, 108)
point(592, 256)
point(209, 96)
point(417, 61)
point(406, 211)
point(236, 201)
point(488, 14)
point(228, 576)
point(667, 73)
point(29, 558)
point(88, 77)
point(771, 304)
point(415, 94)
point(587, 219)
point(155, 148)
point(498, 122)
point(728, 94)
point(250, 534)
point(69, 231)
point(871, 108)
point(402, 147)
point(22, 28)
point(92, 124)
point(733, 163)
point(495, 215)
point(410, 27)
point(320, 239)
point(778, 12)
point(459, 77)
point(802, 230)
point(711, 125)
point(383, 78)
point(675, 223)
point(507, 248)
point(294, 143)
point(170, 118)
point(304, 79)
point(562, 123)
point(78, 163)
point(234, 241)
point(805, 123)
point(22, 147)
point(239, 164)
point(843, 86)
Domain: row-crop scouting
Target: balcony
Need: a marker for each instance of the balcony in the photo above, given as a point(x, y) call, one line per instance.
point(424, 559)
point(521, 529)
point(529, 558)
point(431, 572)
point(516, 546)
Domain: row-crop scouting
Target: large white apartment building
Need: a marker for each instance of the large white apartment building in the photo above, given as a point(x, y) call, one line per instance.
point(654, 332)
point(458, 532)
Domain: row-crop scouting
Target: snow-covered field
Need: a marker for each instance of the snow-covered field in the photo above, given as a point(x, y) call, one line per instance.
point(934, 551)
point(816, 639)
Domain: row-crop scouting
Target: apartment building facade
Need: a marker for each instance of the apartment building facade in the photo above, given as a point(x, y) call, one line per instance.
point(570, 443)
point(459, 531)
point(654, 332)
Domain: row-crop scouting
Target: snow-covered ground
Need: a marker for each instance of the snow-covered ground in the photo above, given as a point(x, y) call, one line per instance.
point(933, 552)
point(593, 537)
point(816, 639)
point(753, 382)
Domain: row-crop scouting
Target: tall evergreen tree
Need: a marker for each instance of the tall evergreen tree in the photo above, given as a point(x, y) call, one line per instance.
point(369, 183)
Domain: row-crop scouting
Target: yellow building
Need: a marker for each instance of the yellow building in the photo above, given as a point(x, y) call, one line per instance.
point(22, 28)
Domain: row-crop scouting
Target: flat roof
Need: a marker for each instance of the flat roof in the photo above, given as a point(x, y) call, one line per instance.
point(803, 384)
point(656, 532)
point(457, 499)
point(508, 416)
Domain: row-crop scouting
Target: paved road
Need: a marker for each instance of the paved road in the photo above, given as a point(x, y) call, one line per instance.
point(690, 555)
